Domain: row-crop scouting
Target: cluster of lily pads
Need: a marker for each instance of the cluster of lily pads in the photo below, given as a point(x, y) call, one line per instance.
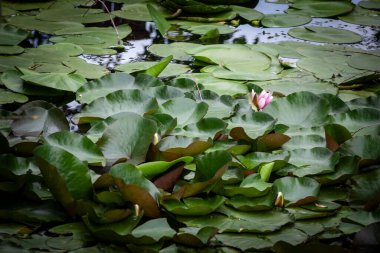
point(182, 163)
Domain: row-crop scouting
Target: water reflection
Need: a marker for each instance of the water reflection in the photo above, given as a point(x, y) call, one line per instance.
point(144, 34)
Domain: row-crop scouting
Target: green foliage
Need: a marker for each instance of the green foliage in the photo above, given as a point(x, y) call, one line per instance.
point(157, 157)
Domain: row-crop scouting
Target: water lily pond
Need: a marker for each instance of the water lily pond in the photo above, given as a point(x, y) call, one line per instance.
point(189, 126)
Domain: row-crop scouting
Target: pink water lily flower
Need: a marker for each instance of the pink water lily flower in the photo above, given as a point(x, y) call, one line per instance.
point(258, 102)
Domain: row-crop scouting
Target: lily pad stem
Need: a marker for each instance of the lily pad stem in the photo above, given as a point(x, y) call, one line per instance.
point(112, 21)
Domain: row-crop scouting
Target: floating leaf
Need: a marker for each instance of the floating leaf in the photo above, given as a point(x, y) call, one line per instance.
point(364, 61)
point(325, 34)
point(135, 188)
point(285, 20)
point(177, 49)
point(313, 161)
point(104, 86)
point(186, 111)
point(153, 231)
point(365, 187)
point(297, 191)
point(59, 81)
point(78, 145)
point(250, 126)
point(120, 101)
point(39, 118)
point(321, 9)
point(127, 138)
point(152, 169)
point(237, 221)
point(66, 176)
point(299, 109)
point(247, 13)
point(193, 206)
point(9, 35)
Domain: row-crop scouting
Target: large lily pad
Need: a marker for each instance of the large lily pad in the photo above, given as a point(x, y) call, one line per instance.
point(299, 109)
point(135, 101)
point(325, 34)
point(237, 221)
point(297, 191)
point(78, 145)
point(127, 139)
point(65, 175)
point(59, 81)
point(285, 20)
point(9, 35)
point(321, 9)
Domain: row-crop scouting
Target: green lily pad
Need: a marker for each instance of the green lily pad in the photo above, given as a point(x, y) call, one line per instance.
point(361, 16)
point(134, 187)
point(204, 129)
point(11, 50)
point(87, 70)
point(80, 15)
point(250, 126)
point(153, 231)
point(248, 241)
point(9, 97)
point(38, 118)
point(318, 160)
point(321, 9)
point(10, 62)
point(299, 109)
point(65, 175)
point(202, 28)
point(193, 206)
point(10, 35)
point(357, 119)
point(364, 61)
point(151, 169)
point(12, 80)
point(127, 139)
point(285, 20)
point(104, 86)
point(247, 13)
point(325, 34)
point(59, 81)
point(252, 186)
point(297, 191)
point(172, 69)
point(31, 23)
point(244, 203)
point(78, 145)
point(177, 49)
point(237, 221)
point(219, 86)
point(365, 187)
point(372, 5)
point(138, 11)
point(186, 110)
point(135, 101)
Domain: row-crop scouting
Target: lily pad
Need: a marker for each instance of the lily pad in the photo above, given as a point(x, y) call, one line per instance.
point(298, 109)
point(78, 145)
point(65, 175)
point(321, 9)
point(364, 61)
point(127, 139)
point(297, 191)
point(285, 20)
point(177, 49)
point(135, 101)
point(193, 206)
point(10, 35)
point(325, 34)
point(59, 81)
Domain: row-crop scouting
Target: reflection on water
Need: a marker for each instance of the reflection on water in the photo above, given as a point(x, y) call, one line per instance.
point(144, 34)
